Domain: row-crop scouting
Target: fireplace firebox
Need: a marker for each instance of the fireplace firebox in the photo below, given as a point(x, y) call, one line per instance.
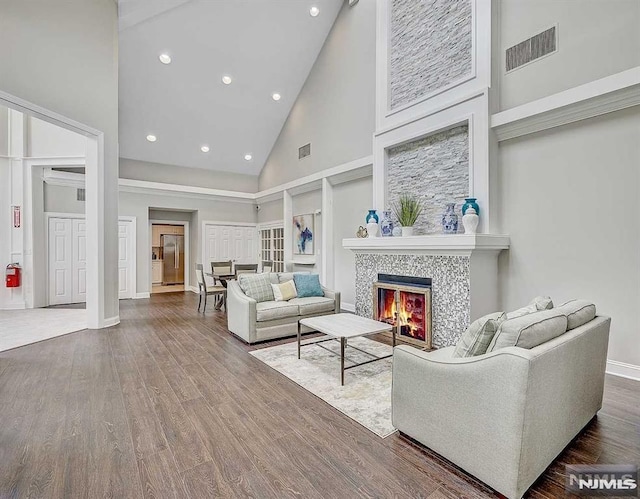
point(405, 303)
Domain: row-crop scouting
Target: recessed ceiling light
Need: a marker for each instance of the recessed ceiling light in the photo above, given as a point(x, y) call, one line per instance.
point(314, 11)
point(248, 157)
point(165, 58)
point(226, 79)
point(204, 148)
point(152, 138)
point(276, 96)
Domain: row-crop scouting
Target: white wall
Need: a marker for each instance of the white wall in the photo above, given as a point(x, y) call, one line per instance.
point(48, 141)
point(570, 204)
point(63, 55)
point(180, 175)
point(271, 211)
point(351, 202)
point(335, 109)
point(4, 131)
point(596, 38)
point(62, 199)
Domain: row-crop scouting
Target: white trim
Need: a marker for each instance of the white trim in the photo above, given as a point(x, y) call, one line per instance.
point(144, 186)
point(433, 244)
point(327, 256)
point(187, 248)
point(272, 224)
point(612, 93)
point(145, 294)
point(193, 289)
point(133, 278)
point(111, 321)
point(623, 370)
point(349, 307)
point(237, 224)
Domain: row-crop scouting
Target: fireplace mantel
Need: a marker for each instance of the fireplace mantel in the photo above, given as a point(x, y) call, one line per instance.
point(436, 244)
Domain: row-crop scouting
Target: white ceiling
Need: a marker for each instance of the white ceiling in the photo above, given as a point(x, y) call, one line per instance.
point(267, 46)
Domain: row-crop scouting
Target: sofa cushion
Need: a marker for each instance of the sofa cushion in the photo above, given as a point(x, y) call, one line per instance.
point(288, 276)
point(256, 286)
point(308, 285)
point(314, 304)
point(285, 291)
point(476, 339)
point(271, 310)
point(530, 330)
point(538, 304)
point(578, 312)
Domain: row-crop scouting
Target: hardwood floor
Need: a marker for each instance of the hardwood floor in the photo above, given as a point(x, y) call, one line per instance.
point(169, 404)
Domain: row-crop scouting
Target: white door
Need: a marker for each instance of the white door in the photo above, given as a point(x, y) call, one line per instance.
point(230, 242)
point(68, 260)
point(60, 261)
point(125, 259)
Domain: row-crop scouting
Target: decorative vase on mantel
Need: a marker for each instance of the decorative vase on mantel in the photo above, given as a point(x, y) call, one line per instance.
point(470, 221)
point(407, 231)
point(372, 216)
point(386, 225)
point(470, 203)
point(450, 219)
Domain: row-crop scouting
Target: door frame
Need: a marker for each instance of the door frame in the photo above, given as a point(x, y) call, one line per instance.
point(203, 242)
point(52, 214)
point(187, 250)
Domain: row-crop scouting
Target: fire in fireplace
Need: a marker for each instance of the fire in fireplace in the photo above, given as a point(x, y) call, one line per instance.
point(405, 303)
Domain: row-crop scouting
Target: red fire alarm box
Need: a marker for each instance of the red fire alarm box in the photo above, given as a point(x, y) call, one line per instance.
point(12, 275)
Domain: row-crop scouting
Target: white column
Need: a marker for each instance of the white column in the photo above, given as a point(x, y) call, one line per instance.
point(287, 217)
point(328, 252)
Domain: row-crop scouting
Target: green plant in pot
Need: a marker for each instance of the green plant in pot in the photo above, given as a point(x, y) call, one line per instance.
point(407, 209)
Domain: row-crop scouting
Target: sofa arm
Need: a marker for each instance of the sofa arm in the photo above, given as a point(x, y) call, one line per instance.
point(241, 312)
point(334, 295)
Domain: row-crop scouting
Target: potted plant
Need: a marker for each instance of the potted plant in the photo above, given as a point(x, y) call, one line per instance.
point(407, 210)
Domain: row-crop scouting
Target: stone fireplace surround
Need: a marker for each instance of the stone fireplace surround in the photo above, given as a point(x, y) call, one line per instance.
point(463, 269)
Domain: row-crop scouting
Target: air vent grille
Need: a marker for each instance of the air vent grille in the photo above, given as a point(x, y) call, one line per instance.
point(81, 194)
point(304, 151)
point(537, 46)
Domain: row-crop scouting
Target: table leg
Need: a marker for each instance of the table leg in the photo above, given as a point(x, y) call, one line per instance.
point(343, 344)
point(298, 339)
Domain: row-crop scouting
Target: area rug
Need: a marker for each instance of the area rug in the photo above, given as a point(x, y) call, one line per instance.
point(366, 394)
point(23, 327)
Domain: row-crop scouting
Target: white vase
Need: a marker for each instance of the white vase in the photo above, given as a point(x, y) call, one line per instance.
point(372, 229)
point(470, 221)
point(407, 231)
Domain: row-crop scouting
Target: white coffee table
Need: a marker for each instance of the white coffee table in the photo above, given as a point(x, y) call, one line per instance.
point(341, 327)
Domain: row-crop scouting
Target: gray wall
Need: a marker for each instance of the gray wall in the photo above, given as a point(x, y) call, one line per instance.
point(596, 38)
point(304, 204)
point(271, 211)
point(335, 110)
point(569, 202)
point(62, 199)
point(63, 55)
point(180, 175)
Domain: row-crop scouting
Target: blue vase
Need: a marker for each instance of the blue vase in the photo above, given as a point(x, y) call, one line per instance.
point(386, 226)
point(450, 220)
point(470, 203)
point(371, 217)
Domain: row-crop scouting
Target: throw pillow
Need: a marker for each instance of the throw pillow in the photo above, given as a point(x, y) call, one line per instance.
point(256, 286)
point(537, 304)
point(285, 291)
point(307, 285)
point(530, 330)
point(578, 312)
point(478, 335)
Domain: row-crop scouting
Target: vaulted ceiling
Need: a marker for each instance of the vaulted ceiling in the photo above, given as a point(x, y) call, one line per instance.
point(266, 46)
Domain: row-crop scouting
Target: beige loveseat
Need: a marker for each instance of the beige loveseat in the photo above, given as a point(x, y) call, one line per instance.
point(505, 415)
point(254, 322)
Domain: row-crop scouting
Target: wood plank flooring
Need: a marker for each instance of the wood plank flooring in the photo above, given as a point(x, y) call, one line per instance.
point(169, 404)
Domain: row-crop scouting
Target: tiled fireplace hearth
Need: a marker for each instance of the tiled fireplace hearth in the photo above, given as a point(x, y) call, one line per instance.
point(463, 271)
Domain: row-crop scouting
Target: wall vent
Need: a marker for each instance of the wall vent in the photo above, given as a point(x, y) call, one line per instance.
point(81, 194)
point(534, 48)
point(304, 151)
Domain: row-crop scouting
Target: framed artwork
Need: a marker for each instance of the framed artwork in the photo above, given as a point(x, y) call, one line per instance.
point(303, 234)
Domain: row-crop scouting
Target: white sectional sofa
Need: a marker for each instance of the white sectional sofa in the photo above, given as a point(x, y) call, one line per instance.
point(254, 322)
point(503, 416)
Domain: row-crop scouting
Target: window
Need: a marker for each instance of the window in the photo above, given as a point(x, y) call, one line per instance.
point(272, 247)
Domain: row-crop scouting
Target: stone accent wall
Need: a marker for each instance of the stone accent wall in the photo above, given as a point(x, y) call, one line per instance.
point(435, 169)
point(430, 47)
point(451, 295)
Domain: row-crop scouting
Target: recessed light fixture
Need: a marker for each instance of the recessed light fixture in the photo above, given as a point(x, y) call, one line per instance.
point(226, 79)
point(248, 157)
point(314, 11)
point(151, 138)
point(165, 58)
point(276, 96)
point(204, 148)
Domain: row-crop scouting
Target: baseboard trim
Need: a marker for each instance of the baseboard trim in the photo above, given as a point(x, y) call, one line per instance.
point(142, 295)
point(109, 322)
point(14, 306)
point(623, 370)
point(349, 307)
point(193, 289)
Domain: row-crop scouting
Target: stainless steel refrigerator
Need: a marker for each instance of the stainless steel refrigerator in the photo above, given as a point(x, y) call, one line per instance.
point(173, 259)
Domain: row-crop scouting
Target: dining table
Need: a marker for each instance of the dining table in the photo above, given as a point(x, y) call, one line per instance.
point(224, 279)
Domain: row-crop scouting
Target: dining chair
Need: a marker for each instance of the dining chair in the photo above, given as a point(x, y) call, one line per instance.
point(246, 268)
point(267, 266)
point(221, 268)
point(204, 290)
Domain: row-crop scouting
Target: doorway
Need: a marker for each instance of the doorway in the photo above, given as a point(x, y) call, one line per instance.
point(169, 253)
